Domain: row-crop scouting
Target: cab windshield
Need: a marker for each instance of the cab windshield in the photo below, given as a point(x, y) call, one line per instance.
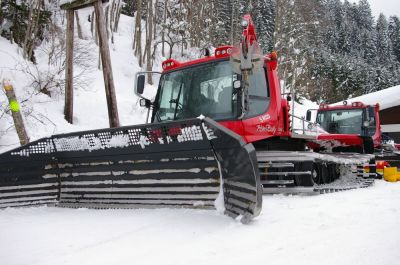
point(342, 121)
point(207, 90)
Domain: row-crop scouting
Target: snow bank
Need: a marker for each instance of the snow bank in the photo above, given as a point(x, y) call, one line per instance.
point(387, 98)
point(347, 228)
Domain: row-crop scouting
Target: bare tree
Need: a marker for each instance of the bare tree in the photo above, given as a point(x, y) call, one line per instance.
point(149, 40)
point(33, 28)
point(137, 43)
point(165, 22)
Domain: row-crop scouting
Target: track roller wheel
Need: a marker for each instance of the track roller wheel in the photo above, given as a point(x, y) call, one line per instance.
point(322, 177)
point(316, 174)
point(334, 172)
point(325, 173)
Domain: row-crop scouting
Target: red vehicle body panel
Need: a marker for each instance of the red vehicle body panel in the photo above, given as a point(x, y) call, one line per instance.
point(336, 140)
point(274, 122)
point(270, 123)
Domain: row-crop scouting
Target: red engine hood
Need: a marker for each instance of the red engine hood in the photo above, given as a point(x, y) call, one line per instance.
point(336, 140)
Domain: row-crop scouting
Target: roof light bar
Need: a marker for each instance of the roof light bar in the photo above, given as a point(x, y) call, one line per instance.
point(324, 106)
point(223, 51)
point(357, 104)
point(170, 64)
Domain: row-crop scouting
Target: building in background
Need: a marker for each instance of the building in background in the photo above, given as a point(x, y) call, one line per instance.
point(389, 102)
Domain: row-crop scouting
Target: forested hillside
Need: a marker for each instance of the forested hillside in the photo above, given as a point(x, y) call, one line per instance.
point(329, 49)
point(335, 47)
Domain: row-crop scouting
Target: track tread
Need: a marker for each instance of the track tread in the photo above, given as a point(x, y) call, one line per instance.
point(299, 170)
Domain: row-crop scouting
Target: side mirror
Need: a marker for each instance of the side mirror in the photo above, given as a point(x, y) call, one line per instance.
point(140, 84)
point(308, 115)
point(144, 102)
point(237, 84)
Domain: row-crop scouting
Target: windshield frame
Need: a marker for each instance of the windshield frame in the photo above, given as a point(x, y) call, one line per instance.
point(213, 61)
point(361, 130)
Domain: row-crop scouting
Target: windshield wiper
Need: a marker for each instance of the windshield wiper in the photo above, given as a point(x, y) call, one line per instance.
point(176, 101)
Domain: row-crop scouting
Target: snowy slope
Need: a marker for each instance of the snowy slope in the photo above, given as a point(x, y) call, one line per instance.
point(44, 115)
point(354, 227)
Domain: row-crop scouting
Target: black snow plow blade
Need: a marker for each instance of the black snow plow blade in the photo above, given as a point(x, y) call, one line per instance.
point(191, 163)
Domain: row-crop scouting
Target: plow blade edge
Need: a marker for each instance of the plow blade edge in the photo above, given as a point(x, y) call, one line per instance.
point(192, 163)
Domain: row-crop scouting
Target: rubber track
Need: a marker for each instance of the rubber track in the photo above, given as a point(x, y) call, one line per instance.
point(344, 183)
point(357, 183)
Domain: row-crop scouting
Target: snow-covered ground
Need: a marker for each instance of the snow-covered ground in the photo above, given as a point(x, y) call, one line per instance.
point(353, 227)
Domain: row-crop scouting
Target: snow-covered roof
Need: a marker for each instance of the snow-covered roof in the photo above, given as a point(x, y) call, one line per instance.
point(387, 98)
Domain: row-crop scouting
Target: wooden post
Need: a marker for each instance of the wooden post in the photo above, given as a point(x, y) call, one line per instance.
point(69, 68)
point(105, 58)
point(106, 62)
point(16, 114)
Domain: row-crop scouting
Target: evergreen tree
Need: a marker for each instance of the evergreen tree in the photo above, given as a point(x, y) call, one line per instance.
point(364, 22)
point(383, 42)
point(394, 35)
point(333, 19)
point(24, 22)
point(263, 14)
point(224, 9)
point(129, 8)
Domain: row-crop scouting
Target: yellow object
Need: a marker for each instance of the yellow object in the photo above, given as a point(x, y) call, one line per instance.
point(14, 106)
point(8, 87)
point(390, 174)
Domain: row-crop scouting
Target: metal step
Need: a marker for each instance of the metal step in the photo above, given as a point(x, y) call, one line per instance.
point(280, 183)
point(275, 165)
point(291, 190)
point(293, 173)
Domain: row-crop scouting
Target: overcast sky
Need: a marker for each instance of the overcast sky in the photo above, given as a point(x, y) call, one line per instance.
point(387, 7)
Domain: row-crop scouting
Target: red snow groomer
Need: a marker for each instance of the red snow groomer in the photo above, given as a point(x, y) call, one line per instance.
point(350, 127)
point(353, 127)
point(219, 133)
point(240, 89)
